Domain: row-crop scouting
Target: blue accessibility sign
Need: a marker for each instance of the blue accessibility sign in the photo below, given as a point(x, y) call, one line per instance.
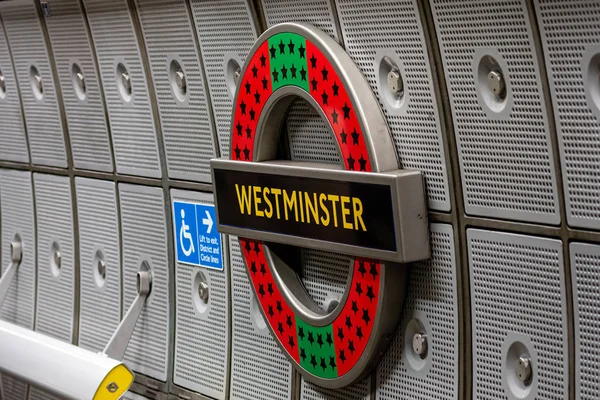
point(196, 237)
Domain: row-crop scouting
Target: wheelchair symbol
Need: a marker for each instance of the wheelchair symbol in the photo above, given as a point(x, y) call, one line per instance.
point(184, 233)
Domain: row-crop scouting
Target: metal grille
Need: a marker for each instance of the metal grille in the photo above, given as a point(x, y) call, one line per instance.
point(185, 119)
point(42, 115)
point(100, 296)
point(144, 240)
point(131, 122)
point(432, 296)
point(226, 31)
point(259, 369)
point(371, 28)
point(585, 271)
point(39, 394)
point(571, 38)
point(56, 278)
point(358, 391)
point(86, 118)
point(504, 148)
point(202, 334)
point(12, 389)
point(12, 135)
point(517, 288)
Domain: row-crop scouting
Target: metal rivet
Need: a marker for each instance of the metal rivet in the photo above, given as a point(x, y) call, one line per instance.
point(180, 80)
point(203, 292)
point(57, 258)
point(16, 252)
point(38, 82)
point(419, 343)
point(81, 81)
point(101, 269)
point(126, 80)
point(497, 84)
point(394, 81)
point(236, 75)
point(112, 387)
point(523, 369)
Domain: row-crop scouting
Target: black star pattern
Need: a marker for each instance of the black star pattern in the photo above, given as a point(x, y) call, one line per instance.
point(320, 340)
point(329, 339)
point(278, 307)
point(280, 328)
point(363, 167)
point(310, 338)
point(256, 249)
point(302, 354)
point(275, 76)
point(273, 51)
point(323, 363)
point(324, 97)
point(351, 162)
point(342, 356)
point(291, 46)
point(263, 270)
point(239, 129)
point(351, 346)
point(324, 72)
point(281, 47)
point(248, 132)
point(303, 74)
point(332, 362)
point(340, 333)
point(261, 290)
point(243, 107)
point(314, 83)
point(361, 268)
point(253, 268)
point(343, 135)
point(252, 114)
point(334, 116)
point(313, 61)
point(254, 71)
point(284, 71)
point(270, 289)
point(288, 321)
point(271, 313)
point(301, 333)
point(293, 71)
point(263, 60)
point(370, 293)
point(354, 307)
point(348, 322)
point(248, 247)
point(346, 111)
point(358, 288)
point(373, 270)
point(246, 153)
point(366, 317)
point(313, 361)
point(291, 342)
point(248, 87)
point(257, 97)
point(335, 89)
point(265, 83)
point(301, 50)
point(359, 333)
point(355, 136)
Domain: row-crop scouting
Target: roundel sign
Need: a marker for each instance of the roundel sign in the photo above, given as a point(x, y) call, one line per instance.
point(367, 207)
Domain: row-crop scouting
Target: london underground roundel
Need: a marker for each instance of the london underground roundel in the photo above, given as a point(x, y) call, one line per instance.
point(336, 348)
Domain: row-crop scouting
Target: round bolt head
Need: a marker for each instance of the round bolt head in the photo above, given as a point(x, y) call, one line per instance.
point(496, 83)
point(180, 80)
point(112, 387)
point(419, 343)
point(203, 292)
point(523, 369)
point(16, 252)
point(394, 81)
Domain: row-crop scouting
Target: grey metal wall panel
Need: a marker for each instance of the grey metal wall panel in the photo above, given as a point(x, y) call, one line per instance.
point(259, 370)
point(100, 293)
point(585, 272)
point(55, 235)
point(188, 131)
point(506, 161)
point(27, 43)
point(201, 330)
point(373, 30)
point(131, 117)
point(431, 308)
point(85, 112)
point(518, 306)
point(358, 391)
point(144, 243)
point(570, 32)
point(12, 134)
point(226, 31)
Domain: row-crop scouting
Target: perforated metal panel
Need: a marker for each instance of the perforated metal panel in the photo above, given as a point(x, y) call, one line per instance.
point(201, 330)
point(316, 12)
point(374, 29)
point(359, 391)
point(570, 34)
point(100, 294)
point(56, 277)
point(585, 272)
point(42, 114)
point(12, 134)
point(86, 116)
point(432, 306)
point(188, 132)
point(518, 302)
point(16, 206)
point(144, 243)
point(132, 122)
point(503, 145)
point(259, 370)
point(226, 31)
